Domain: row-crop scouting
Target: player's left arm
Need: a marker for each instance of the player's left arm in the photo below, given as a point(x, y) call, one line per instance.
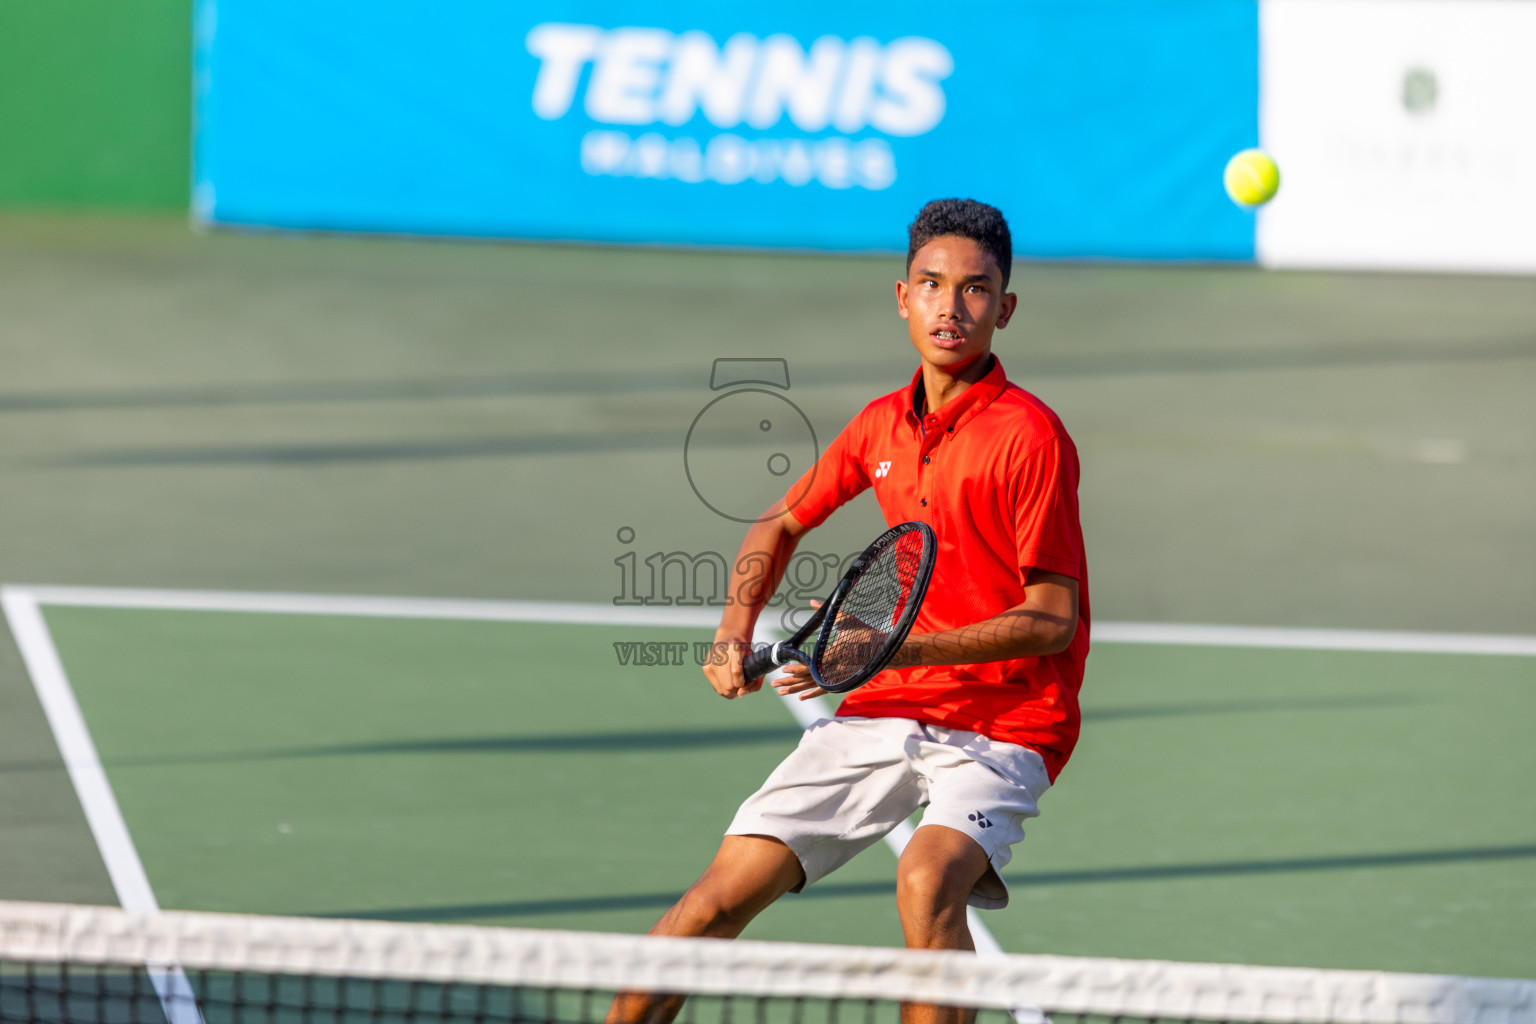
point(1043, 623)
point(1041, 491)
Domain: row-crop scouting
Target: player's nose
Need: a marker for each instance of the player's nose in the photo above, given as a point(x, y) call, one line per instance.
point(949, 305)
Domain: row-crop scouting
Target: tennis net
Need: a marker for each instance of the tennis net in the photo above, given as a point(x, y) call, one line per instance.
point(103, 965)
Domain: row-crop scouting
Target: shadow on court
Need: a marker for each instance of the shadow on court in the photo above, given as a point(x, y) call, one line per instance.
point(662, 900)
point(693, 739)
point(598, 742)
point(632, 381)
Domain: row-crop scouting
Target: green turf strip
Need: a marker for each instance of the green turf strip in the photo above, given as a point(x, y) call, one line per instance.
point(1346, 810)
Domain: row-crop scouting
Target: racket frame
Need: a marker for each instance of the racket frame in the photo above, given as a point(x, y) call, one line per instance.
point(762, 662)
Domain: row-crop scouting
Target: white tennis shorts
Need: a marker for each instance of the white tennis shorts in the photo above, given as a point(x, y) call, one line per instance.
point(852, 780)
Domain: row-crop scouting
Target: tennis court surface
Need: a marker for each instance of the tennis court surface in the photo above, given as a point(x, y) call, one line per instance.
point(457, 762)
point(331, 416)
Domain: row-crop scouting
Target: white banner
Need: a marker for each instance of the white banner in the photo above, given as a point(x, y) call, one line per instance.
point(1405, 132)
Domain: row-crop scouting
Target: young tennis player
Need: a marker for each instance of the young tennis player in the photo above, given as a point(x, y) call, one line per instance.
point(981, 711)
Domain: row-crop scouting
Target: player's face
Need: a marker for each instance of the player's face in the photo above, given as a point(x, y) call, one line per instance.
point(953, 300)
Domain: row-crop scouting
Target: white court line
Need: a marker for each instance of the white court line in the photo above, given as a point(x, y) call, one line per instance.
point(1183, 634)
point(374, 607)
point(1374, 640)
point(102, 813)
point(78, 750)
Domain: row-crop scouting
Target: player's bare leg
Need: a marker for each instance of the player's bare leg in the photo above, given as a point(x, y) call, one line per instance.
point(747, 874)
point(938, 869)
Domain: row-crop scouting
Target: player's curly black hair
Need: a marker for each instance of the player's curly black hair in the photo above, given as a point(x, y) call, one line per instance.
point(967, 218)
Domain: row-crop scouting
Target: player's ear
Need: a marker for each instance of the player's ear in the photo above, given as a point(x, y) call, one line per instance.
point(1007, 304)
point(901, 299)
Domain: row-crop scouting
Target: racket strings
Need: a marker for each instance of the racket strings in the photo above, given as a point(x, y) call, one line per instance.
point(869, 617)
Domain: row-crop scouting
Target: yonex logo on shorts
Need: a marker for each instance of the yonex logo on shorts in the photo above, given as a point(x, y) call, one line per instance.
point(980, 819)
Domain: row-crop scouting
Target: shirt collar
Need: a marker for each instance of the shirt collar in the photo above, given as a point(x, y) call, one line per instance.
point(961, 409)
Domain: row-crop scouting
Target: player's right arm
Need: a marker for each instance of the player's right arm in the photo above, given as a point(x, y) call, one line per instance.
point(759, 566)
point(836, 478)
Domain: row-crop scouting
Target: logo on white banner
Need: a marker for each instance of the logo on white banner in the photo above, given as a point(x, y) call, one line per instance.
point(653, 77)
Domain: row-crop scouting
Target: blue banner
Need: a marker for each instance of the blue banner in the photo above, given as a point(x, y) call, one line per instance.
point(1100, 127)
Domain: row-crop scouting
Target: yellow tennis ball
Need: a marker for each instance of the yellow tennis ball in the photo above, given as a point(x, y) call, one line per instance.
point(1252, 178)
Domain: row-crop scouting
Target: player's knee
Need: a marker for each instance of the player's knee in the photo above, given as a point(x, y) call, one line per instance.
point(930, 885)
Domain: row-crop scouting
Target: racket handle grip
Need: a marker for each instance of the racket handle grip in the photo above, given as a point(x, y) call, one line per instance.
point(761, 662)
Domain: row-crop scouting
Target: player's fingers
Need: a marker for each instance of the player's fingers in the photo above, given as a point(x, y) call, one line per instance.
point(718, 670)
point(794, 683)
point(796, 680)
point(794, 672)
point(739, 684)
point(719, 681)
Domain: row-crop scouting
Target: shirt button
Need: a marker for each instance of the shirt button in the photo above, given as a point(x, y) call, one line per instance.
point(949, 430)
point(924, 503)
point(926, 460)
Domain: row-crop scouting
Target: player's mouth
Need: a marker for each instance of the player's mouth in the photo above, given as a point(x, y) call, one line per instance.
point(947, 337)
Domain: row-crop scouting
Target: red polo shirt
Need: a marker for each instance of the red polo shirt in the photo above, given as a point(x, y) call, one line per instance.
point(995, 474)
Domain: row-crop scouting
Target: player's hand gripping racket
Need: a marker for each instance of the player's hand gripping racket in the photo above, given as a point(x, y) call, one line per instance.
point(862, 625)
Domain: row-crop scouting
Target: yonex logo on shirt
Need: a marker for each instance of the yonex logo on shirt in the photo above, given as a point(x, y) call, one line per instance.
point(882, 468)
point(980, 820)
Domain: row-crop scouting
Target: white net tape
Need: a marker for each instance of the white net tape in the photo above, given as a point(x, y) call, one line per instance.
point(37, 932)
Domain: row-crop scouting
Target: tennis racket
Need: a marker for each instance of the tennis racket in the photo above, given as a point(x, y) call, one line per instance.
point(862, 625)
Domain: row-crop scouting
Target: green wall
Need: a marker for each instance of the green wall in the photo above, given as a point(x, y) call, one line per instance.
point(95, 103)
